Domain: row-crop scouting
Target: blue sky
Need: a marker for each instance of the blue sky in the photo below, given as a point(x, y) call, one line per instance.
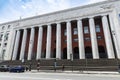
point(13, 9)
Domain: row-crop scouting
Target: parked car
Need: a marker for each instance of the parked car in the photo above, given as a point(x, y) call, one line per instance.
point(17, 69)
point(4, 68)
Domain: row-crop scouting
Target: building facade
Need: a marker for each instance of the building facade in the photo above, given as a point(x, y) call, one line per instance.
point(85, 32)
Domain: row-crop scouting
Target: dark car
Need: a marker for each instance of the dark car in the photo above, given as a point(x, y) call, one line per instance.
point(17, 69)
point(4, 68)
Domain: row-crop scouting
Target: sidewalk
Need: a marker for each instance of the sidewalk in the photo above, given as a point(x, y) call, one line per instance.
point(75, 72)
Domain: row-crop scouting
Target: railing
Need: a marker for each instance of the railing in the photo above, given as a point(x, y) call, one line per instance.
point(79, 65)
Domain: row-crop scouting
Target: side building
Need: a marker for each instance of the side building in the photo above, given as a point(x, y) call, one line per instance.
point(85, 32)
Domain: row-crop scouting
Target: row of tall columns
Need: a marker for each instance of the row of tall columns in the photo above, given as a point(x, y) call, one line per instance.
point(95, 50)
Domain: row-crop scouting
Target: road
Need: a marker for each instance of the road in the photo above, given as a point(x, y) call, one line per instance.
point(56, 76)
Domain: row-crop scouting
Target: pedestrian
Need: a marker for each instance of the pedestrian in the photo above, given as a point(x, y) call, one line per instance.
point(38, 66)
point(30, 66)
point(26, 68)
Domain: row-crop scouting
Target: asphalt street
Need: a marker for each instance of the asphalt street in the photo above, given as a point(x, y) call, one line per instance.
point(56, 76)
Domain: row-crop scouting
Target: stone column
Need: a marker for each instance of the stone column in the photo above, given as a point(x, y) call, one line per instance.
point(58, 41)
point(39, 46)
point(11, 41)
point(69, 40)
point(115, 39)
point(23, 44)
point(48, 45)
point(108, 40)
point(116, 22)
point(93, 39)
point(81, 40)
point(16, 45)
point(31, 42)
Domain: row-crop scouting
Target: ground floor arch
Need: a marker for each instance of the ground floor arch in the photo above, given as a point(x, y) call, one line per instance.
point(76, 53)
point(102, 52)
point(65, 53)
point(88, 53)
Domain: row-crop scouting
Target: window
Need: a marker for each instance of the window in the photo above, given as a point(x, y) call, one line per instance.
point(76, 40)
point(6, 36)
point(54, 41)
point(1, 37)
point(65, 32)
point(3, 54)
point(3, 27)
point(8, 26)
point(75, 31)
point(5, 44)
point(87, 38)
point(99, 37)
point(65, 41)
point(86, 30)
point(97, 28)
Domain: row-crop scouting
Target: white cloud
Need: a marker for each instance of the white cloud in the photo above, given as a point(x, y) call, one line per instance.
point(17, 8)
point(94, 1)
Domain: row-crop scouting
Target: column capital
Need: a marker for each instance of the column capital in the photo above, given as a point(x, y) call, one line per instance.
point(58, 22)
point(32, 27)
point(79, 19)
point(40, 26)
point(104, 15)
point(48, 24)
point(24, 28)
point(91, 17)
point(68, 21)
point(17, 29)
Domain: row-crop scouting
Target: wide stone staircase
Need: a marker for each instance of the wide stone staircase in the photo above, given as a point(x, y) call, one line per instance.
point(81, 65)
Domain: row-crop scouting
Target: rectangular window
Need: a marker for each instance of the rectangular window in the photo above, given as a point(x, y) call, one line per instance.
point(87, 38)
point(3, 54)
point(119, 17)
point(75, 31)
point(8, 26)
point(65, 32)
point(1, 37)
point(5, 44)
point(6, 36)
point(86, 29)
point(3, 27)
point(76, 40)
point(65, 41)
point(99, 37)
point(97, 28)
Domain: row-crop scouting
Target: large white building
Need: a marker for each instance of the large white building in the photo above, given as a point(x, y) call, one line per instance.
point(90, 31)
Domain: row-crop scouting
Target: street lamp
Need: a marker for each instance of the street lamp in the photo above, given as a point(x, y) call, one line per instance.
point(23, 61)
point(71, 59)
point(114, 37)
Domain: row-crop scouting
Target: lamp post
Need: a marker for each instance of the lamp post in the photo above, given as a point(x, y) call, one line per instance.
point(71, 59)
point(117, 60)
point(55, 65)
point(23, 61)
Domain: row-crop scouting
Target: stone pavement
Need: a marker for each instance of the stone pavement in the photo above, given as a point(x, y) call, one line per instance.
point(74, 72)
